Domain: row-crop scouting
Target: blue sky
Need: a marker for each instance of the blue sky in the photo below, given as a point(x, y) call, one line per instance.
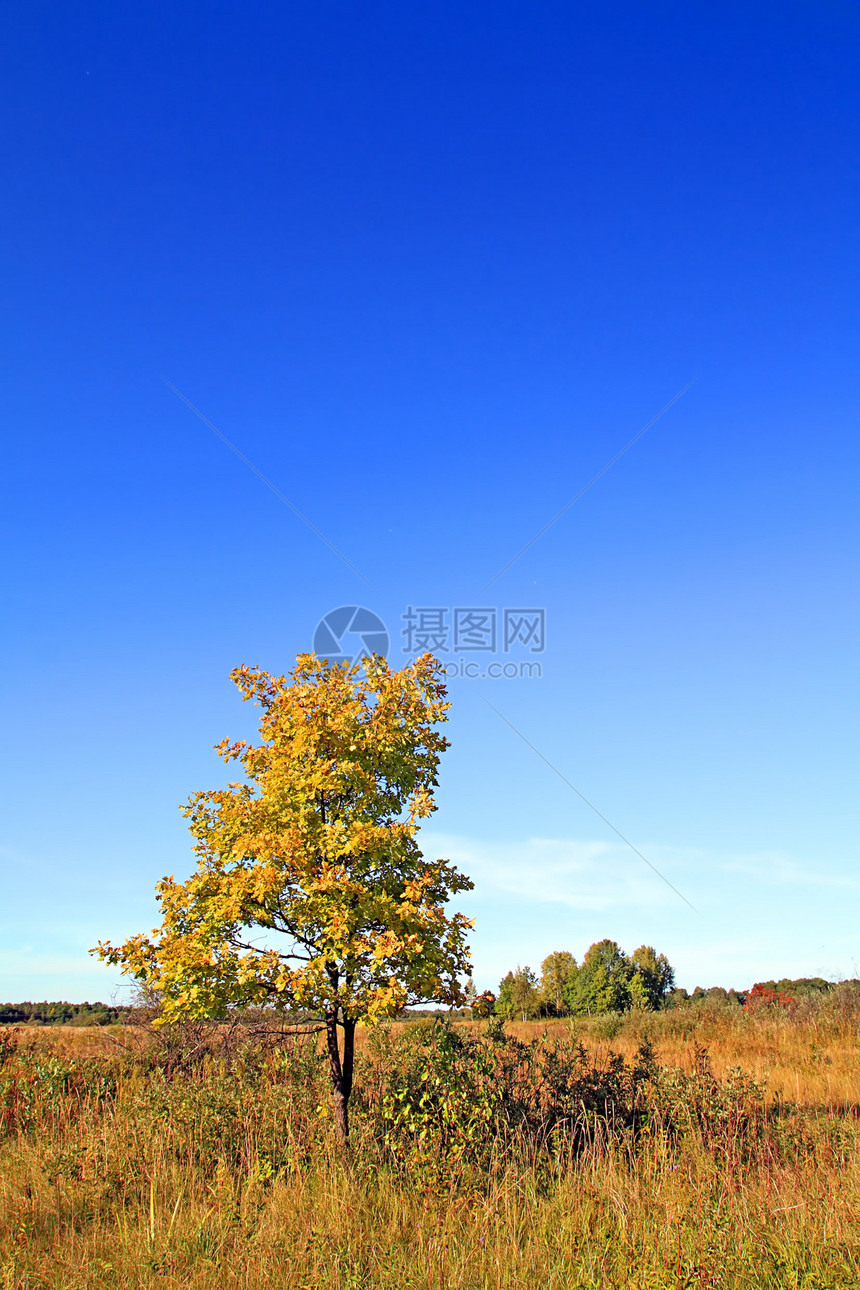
point(429, 268)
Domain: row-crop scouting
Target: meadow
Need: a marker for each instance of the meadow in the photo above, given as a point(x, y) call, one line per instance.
point(691, 1147)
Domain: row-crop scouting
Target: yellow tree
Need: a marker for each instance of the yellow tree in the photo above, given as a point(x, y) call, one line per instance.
point(557, 972)
point(311, 893)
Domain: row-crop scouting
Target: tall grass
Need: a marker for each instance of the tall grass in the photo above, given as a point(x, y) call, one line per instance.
point(473, 1165)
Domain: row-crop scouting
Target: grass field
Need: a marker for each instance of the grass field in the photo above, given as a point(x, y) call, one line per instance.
point(517, 1169)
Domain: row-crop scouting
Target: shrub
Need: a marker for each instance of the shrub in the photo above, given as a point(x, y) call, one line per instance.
point(762, 996)
point(453, 1102)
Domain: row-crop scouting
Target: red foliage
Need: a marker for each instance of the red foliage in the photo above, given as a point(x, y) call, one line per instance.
point(761, 995)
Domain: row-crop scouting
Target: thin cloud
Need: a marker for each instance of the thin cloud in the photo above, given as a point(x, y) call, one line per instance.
point(580, 874)
point(598, 875)
point(774, 867)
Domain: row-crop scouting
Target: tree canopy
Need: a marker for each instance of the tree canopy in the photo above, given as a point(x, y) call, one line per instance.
point(518, 994)
point(558, 971)
point(652, 977)
point(601, 984)
point(607, 980)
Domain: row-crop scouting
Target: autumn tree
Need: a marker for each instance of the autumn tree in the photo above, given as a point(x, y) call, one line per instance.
point(640, 1000)
point(652, 977)
point(518, 994)
point(505, 999)
point(525, 992)
point(311, 893)
point(558, 971)
point(485, 1004)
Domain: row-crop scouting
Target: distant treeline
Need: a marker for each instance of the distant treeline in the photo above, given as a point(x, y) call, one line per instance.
point(606, 981)
point(805, 987)
point(61, 1014)
point(610, 981)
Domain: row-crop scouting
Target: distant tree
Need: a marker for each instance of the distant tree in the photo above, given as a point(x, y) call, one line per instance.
point(802, 987)
point(485, 1004)
point(640, 999)
point(762, 996)
point(59, 1014)
point(717, 994)
point(505, 1006)
point(518, 994)
point(557, 973)
point(601, 984)
point(653, 976)
point(525, 992)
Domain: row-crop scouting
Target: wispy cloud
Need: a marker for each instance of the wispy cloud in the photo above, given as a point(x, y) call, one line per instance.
point(600, 875)
point(588, 875)
point(774, 867)
point(763, 914)
point(655, 869)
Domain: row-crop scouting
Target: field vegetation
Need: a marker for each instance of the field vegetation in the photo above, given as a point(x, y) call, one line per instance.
point(697, 1146)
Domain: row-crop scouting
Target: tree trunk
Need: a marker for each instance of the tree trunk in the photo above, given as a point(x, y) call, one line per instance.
point(340, 1068)
point(341, 1118)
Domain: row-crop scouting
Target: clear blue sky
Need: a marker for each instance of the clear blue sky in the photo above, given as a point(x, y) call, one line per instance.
point(429, 267)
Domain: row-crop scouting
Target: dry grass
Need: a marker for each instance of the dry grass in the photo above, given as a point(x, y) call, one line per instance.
point(231, 1179)
point(812, 1062)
